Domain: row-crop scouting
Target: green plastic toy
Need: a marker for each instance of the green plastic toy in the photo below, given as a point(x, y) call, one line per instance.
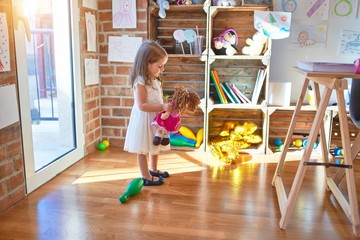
point(132, 189)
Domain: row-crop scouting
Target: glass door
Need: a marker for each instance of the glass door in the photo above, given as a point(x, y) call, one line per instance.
point(46, 40)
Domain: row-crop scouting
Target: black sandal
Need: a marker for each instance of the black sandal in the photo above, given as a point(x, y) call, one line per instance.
point(158, 174)
point(152, 182)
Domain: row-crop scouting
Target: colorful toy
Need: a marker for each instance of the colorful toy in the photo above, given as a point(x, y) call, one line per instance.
point(132, 189)
point(101, 146)
point(199, 137)
point(163, 5)
point(232, 137)
point(186, 132)
point(256, 45)
point(278, 142)
point(182, 141)
point(338, 151)
point(305, 142)
point(169, 121)
point(225, 43)
point(298, 143)
point(106, 142)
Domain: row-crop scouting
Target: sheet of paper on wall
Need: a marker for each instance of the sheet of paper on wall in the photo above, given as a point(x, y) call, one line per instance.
point(274, 25)
point(349, 43)
point(308, 36)
point(93, 4)
point(4, 44)
point(123, 49)
point(90, 32)
point(91, 71)
point(124, 13)
point(9, 111)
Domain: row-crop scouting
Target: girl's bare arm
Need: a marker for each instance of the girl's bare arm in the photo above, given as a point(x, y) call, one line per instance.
point(141, 96)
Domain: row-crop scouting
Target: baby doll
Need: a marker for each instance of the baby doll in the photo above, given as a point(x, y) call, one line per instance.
point(169, 122)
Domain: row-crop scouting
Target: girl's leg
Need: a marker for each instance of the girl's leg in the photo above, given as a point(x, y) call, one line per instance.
point(153, 162)
point(153, 167)
point(144, 168)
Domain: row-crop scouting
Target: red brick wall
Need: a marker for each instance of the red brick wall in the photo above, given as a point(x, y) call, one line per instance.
point(116, 95)
point(12, 180)
point(91, 93)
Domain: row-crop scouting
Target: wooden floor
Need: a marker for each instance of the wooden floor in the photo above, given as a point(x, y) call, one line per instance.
point(201, 200)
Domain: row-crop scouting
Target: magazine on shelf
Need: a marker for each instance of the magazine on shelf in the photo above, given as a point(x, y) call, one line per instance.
point(325, 66)
point(258, 85)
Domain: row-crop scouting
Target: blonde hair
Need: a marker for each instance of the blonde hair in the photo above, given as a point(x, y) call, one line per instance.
point(149, 52)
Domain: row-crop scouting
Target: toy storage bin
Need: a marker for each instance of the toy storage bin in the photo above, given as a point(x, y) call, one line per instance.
point(279, 122)
point(218, 120)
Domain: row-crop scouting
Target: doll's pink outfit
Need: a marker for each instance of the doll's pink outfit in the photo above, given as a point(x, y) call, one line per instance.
point(169, 125)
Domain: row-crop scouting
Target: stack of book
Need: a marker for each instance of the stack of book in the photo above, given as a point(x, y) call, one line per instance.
point(229, 93)
point(325, 66)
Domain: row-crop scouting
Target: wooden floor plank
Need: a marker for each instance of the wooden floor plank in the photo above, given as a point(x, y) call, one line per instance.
point(201, 200)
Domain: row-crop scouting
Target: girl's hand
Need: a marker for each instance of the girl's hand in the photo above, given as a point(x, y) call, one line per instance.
point(167, 107)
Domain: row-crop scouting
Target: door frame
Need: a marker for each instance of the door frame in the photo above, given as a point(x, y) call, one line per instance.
point(36, 179)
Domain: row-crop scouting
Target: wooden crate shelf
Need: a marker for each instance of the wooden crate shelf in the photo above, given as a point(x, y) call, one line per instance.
point(218, 118)
point(279, 122)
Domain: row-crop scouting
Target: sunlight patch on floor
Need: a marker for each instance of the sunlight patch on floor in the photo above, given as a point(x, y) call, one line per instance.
point(172, 162)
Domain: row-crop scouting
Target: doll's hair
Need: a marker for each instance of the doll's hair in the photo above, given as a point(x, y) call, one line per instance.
point(185, 100)
point(149, 52)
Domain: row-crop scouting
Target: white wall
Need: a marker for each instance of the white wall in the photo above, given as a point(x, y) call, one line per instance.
point(284, 56)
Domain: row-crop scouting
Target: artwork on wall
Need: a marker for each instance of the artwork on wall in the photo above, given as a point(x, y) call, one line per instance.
point(93, 4)
point(4, 44)
point(91, 71)
point(349, 43)
point(310, 10)
point(344, 8)
point(9, 111)
point(90, 32)
point(308, 36)
point(274, 25)
point(124, 13)
point(123, 49)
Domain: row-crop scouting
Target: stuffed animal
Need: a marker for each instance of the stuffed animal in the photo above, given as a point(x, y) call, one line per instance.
point(225, 3)
point(225, 43)
point(163, 5)
point(169, 122)
point(256, 45)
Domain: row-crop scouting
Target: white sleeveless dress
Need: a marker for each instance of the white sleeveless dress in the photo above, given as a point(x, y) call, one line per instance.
point(140, 133)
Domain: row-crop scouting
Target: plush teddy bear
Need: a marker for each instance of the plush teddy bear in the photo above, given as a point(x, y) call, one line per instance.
point(164, 5)
point(256, 45)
